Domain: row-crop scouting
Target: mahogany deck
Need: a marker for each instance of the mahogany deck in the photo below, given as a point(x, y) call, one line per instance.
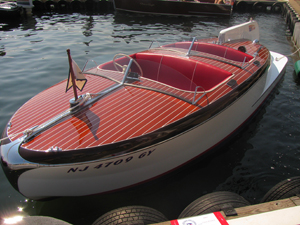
point(125, 113)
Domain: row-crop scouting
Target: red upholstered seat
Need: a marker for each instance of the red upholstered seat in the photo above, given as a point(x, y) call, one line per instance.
point(208, 76)
point(177, 72)
point(214, 49)
point(223, 51)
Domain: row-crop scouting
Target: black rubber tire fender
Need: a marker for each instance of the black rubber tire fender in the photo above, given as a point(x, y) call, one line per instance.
point(284, 189)
point(241, 6)
point(131, 215)
point(259, 6)
point(277, 7)
point(51, 5)
point(213, 202)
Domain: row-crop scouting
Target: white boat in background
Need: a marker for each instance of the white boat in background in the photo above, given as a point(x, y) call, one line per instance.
point(140, 116)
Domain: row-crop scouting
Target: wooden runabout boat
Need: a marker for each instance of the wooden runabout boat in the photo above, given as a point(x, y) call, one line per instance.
point(140, 115)
point(177, 7)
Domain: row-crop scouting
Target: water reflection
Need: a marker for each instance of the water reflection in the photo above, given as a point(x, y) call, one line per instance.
point(88, 26)
point(2, 50)
point(8, 25)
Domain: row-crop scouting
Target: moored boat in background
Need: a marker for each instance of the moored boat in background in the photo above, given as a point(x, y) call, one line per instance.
point(9, 10)
point(177, 8)
point(141, 116)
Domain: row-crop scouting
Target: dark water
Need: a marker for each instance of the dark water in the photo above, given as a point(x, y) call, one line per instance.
point(33, 57)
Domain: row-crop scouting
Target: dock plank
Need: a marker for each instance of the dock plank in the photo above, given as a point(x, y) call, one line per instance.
point(263, 207)
point(252, 210)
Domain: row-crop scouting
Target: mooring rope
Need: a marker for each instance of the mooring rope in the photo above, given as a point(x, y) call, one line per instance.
point(298, 49)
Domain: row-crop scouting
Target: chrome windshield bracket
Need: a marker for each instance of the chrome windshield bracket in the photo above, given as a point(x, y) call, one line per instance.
point(197, 100)
point(256, 53)
point(153, 42)
point(126, 71)
point(190, 48)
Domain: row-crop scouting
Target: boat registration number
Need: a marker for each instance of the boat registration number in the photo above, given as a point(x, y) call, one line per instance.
point(110, 163)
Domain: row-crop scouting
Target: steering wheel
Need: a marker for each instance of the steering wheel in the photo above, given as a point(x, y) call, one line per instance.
point(117, 65)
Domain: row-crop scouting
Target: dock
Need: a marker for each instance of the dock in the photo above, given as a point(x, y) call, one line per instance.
point(292, 18)
point(279, 212)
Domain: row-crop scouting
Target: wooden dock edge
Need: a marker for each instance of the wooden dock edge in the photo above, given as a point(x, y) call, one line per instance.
point(291, 15)
point(258, 208)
